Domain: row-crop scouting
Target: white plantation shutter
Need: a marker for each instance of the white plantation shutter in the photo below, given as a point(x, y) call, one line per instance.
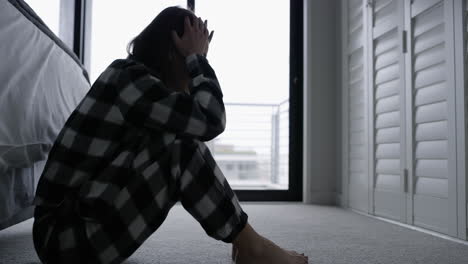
point(402, 58)
point(357, 155)
point(433, 118)
point(388, 107)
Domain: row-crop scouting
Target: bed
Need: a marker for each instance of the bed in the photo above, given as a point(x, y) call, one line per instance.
point(41, 82)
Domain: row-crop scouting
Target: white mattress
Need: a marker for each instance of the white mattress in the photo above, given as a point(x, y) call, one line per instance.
point(40, 85)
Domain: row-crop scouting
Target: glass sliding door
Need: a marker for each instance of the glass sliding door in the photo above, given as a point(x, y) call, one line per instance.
point(256, 52)
point(253, 150)
point(250, 54)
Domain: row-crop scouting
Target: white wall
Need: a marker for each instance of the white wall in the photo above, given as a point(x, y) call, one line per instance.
point(321, 101)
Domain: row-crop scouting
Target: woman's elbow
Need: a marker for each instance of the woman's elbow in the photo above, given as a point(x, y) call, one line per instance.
point(214, 131)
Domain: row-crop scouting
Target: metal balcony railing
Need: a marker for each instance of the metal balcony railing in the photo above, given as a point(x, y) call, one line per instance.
point(253, 151)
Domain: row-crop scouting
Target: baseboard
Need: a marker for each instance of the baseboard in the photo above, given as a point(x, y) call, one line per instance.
point(423, 230)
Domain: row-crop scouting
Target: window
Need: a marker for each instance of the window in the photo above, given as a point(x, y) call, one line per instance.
point(115, 23)
point(254, 76)
point(257, 55)
point(250, 48)
point(48, 11)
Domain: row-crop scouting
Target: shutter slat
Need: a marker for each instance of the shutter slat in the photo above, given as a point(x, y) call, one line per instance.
point(384, 28)
point(386, 42)
point(385, 13)
point(419, 6)
point(428, 20)
point(433, 56)
point(388, 166)
point(387, 89)
point(356, 68)
point(355, 4)
point(430, 39)
point(386, 59)
point(355, 41)
point(387, 104)
point(355, 11)
point(356, 59)
point(431, 131)
point(355, 23)
point(387, 181)
point(431, 187)
point(388, 135)
point(430, 76)
point(431, 113)
point(391, 119)
point(387, 74)
point(355, 76)
point(431, 94)
point(431, 168)
point(388, 151)
point(431, 150)
point(381, 4)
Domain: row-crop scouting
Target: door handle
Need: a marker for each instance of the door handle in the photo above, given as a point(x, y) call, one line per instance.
point(405, 180)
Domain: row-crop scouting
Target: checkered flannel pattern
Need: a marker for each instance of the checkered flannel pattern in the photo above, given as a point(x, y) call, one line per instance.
point(126, 155)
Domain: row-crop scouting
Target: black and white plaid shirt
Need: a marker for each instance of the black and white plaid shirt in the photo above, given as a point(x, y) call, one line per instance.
point(94, 154)
point(124, 101)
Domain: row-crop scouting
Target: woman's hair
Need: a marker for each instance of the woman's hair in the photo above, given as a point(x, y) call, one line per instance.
point(154, 44)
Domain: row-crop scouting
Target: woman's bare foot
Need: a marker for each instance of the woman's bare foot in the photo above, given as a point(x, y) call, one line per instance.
point(249, 247)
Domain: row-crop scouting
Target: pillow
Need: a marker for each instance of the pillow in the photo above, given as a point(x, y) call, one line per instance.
point(41, 83)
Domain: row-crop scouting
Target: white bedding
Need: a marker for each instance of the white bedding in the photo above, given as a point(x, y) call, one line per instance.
point(40, 84)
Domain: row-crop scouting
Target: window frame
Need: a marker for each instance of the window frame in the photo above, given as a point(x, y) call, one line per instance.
point(81, 26)
point(75, 28)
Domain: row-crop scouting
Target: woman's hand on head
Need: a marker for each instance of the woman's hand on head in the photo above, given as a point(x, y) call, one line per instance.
point(195, 38)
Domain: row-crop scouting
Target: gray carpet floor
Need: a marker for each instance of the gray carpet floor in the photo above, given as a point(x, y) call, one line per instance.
point(328, 235)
